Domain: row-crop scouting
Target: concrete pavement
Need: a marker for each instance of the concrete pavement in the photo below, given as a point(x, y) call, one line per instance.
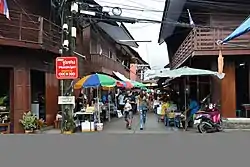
point(151, 127)
point(117, 126)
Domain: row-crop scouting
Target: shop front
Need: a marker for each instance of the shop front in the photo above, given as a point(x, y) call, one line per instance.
point(28, 83)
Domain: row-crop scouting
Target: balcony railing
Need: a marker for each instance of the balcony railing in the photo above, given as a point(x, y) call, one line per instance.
point(108, 63)
point(204, 39)
point(185, 50)
point(29, 29)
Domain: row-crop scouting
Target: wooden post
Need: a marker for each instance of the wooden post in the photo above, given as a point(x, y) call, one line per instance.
point(40, 34)
point(20, 26)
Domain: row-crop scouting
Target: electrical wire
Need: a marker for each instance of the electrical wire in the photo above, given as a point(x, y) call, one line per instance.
point(124, 7)
point(197, 3)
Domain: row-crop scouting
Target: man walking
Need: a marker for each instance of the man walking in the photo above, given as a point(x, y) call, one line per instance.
point(143, 107)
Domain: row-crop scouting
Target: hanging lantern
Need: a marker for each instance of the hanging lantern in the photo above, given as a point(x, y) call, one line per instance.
point(220, 62)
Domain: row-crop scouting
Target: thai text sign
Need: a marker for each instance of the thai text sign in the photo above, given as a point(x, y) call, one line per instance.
point(66, 67)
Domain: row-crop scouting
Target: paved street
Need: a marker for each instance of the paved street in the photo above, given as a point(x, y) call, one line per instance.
point(115, 147)
point(152, 126)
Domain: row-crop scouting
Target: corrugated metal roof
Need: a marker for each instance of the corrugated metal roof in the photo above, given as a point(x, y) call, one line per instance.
point(117, 33)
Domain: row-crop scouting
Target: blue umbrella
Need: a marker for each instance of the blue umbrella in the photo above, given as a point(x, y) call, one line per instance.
point(242, 29)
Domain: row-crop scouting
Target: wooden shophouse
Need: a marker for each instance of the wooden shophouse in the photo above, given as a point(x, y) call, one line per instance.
point(196, 47)
point(29, 44)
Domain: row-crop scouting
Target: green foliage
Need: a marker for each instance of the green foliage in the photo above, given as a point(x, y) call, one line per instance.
point(69, 124)
point(29, 121)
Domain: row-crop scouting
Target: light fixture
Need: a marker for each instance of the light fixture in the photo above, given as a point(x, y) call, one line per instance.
point(73, 32)
point(74, 8)
point(117, 11)
point(241, 64)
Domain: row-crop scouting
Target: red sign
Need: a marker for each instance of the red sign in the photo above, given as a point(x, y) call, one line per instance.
point(66, 67)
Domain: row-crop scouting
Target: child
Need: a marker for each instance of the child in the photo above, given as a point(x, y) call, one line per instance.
point(128, 114)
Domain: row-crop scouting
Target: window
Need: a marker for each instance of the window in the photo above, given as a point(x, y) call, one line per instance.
point(99, 48)
point(110, 54)
point(93, 46)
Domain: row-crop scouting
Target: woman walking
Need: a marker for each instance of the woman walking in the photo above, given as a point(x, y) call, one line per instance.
point(143, 107)
point(128, 114)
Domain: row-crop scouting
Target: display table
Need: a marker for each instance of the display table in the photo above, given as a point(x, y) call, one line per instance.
point(87, 121)
point(5, 128)
point(247, 109)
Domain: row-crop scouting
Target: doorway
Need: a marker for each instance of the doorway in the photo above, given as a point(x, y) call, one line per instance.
point(5, 95)
point(37, 81)
point(242, 87)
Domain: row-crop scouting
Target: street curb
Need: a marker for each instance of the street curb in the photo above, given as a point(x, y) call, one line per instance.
point(230, 130)
point(47, 128)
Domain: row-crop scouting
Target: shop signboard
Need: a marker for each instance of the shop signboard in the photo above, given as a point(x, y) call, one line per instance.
point(66, 100)
point(66, 67)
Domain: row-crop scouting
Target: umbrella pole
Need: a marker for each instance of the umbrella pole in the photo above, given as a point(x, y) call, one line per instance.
point(109, 106)
point(185, 93)
point(98, 106)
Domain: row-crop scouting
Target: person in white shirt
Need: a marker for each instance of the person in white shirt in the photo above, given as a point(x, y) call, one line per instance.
point(121, 101)
point(128, 114)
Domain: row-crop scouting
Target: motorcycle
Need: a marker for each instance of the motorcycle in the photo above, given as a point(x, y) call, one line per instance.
point(209, 120)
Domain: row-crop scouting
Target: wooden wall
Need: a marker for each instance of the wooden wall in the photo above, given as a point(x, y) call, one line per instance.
point(228, 92)
point(51, 94)
point(21, 61)
point(21, 95)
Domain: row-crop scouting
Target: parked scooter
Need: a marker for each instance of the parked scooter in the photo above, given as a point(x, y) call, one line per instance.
point(209, 120)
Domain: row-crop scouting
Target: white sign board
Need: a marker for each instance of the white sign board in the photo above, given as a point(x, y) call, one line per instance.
point(66, 100)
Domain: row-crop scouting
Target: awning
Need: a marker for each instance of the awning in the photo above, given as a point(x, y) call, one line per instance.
point(186, 71)
point(242, 29)
point(121, 76)
point(118, 33)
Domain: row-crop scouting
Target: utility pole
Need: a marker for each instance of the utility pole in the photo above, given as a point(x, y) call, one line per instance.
point(68, 39)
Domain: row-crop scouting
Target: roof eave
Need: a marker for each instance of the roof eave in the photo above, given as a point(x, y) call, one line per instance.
point(170, 6)
point(162, 21)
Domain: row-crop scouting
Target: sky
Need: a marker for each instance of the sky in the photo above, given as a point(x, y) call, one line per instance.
point(153, 53)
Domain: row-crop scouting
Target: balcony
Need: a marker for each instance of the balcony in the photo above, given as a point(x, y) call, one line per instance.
point(202, 41)
point(30, 31)
point(103, 63)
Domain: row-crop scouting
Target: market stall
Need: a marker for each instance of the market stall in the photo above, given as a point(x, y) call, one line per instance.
point(96, 81)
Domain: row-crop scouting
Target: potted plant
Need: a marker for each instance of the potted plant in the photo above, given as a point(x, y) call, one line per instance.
point(69, 126)
point(29, 122)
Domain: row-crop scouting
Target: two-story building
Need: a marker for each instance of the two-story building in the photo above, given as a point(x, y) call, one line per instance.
point(197, 47)
point(29, 44)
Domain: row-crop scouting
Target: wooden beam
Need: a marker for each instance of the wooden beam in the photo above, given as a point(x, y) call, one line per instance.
point(228, 52)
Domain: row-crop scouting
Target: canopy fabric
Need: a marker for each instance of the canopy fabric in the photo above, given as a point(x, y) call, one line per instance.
point(121, 76)
point(151, 84)
point(123, 84)
point(186, 71)
point(242, 29)
point(95, 80)
point(138, 84)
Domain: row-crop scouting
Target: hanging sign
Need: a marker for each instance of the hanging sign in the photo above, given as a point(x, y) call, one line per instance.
point(66, 67)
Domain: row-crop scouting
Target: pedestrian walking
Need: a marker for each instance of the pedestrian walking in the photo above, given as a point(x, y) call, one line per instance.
point(128, 114)
point(143, 108)
point(121, 101)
